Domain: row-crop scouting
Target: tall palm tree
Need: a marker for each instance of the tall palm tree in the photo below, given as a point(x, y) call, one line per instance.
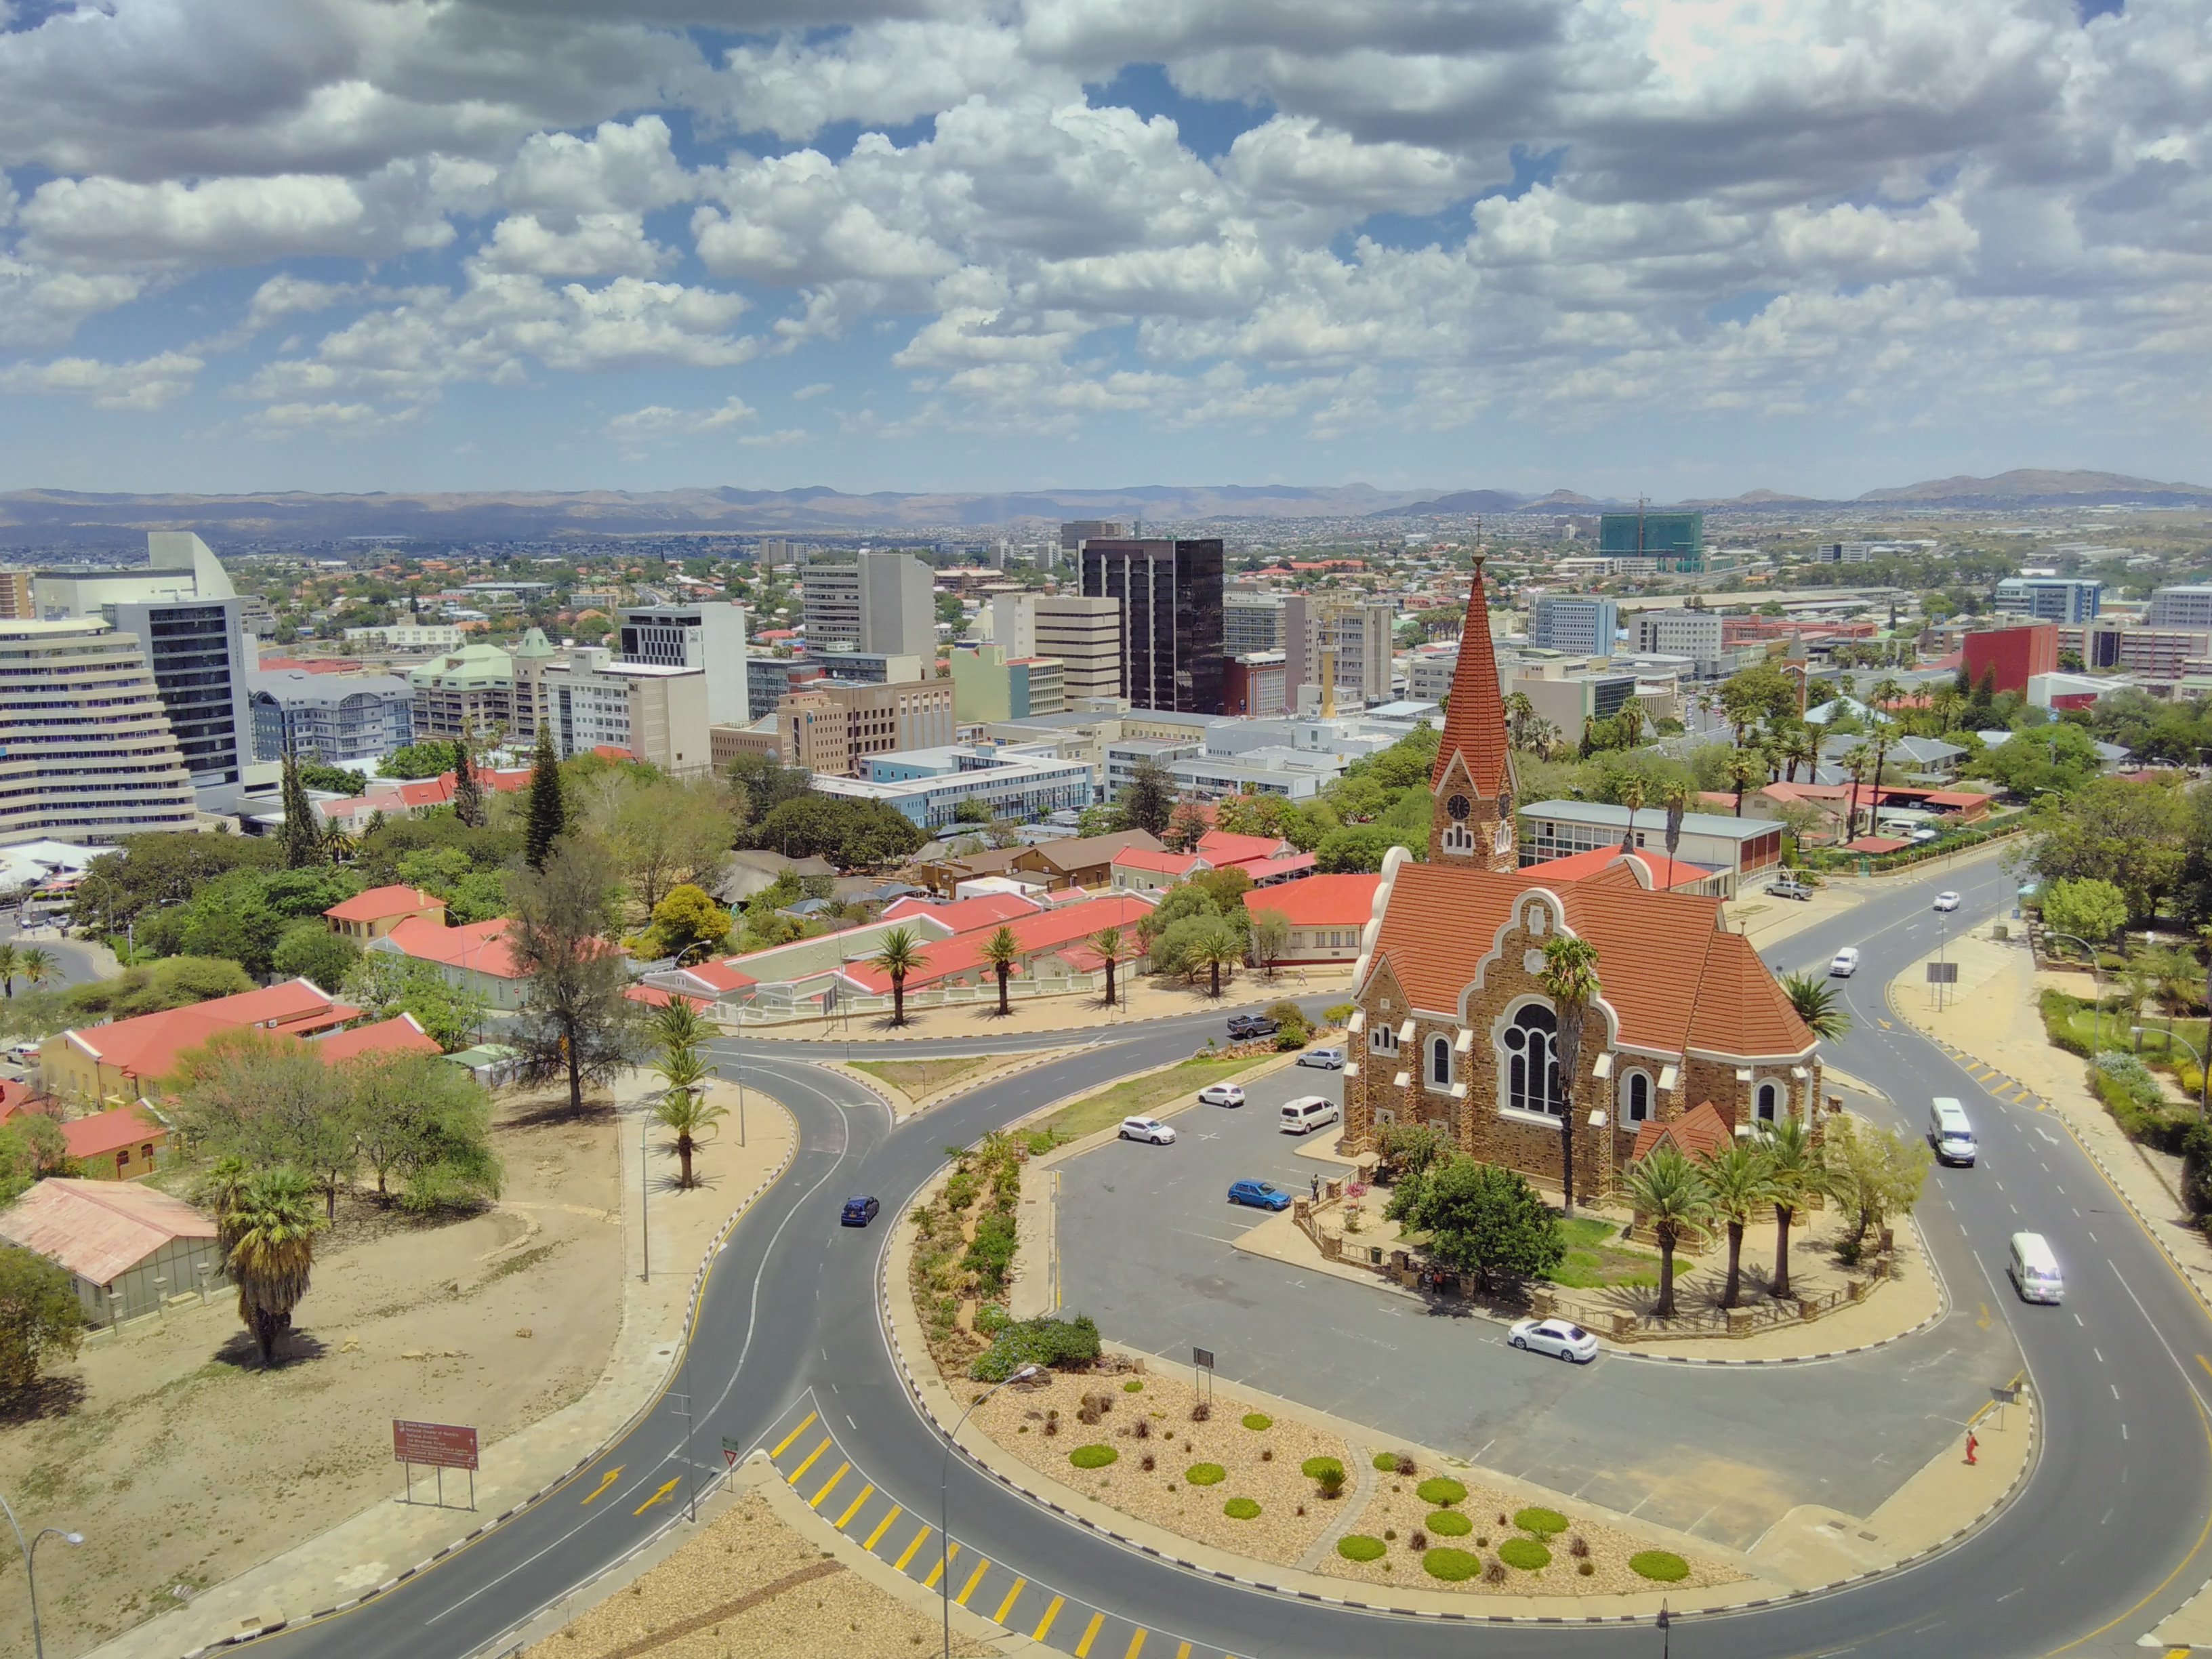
point(269, 1234)
point(1856, 763)
point(1740, 1184)
point(1800, 747)
point(35, 966)
point(1943, 702)
point(11, 964)
point(1214, 946)
point(898, 953)
point(1675, 797)
point(683, 1107)
point(1521, 719)
point(1794, 1166)
point(2139, 975)
point(1002, 950)
point(1745, 768)
point(1570, 979)
point(1632, 797)
point(1670, 1196)
point(1109, 945)
point(1818, 1005)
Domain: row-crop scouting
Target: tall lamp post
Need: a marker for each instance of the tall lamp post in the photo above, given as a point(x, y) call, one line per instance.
point(944, 1499)
point(2096, 978)
point(31, 1568)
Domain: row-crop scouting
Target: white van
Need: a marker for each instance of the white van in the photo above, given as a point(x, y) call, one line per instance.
point(1309, 1112)
point(1949, 1132)
point(2035, 1272)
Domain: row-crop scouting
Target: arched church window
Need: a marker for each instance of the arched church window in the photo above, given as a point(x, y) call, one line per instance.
point(1635, 1098)
point(1440, 1062)
point(1769, 1102)
point(1532, 1071)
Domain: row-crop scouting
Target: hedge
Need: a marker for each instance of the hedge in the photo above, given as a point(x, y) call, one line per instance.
point(1526, 1554)
point(1092, 1457)
point(1442, 1491)
point(1660, 1565)
point(1359, 1547)
point(1063, 1344)
point(1258, 1422)
point(1956, 841)
point(1453, 1566)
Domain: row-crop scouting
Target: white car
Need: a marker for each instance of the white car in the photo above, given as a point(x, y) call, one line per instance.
point(1329, 1060)
point(1556, 1337)
point(1147, 1128)
point(1846, 963)
point(1221, 1094)
point(1947, 902)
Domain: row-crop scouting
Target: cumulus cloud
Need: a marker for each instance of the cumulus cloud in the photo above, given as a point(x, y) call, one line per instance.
point(658, 421)
point(138, 388)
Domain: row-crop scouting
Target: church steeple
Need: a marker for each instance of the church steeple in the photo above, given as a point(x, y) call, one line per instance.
point(1472, 823)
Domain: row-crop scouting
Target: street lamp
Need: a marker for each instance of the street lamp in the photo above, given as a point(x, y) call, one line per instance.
point(943, 1481)
point(2203, 1083)
point(2096, 978)
point(31, 1567)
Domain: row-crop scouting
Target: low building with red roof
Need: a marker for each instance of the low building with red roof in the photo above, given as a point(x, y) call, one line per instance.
point(126, 1058)
point(375, 913)
point(127, 1247)
point(120, 1143)
point(472, 958)
point(403, 1034)
point(1143, 870)
point(1328, 915)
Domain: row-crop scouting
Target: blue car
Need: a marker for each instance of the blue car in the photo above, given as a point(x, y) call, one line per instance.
point(1260, 1194)
point(859, 1211)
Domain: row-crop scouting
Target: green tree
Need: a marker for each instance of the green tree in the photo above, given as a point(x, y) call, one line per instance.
point(1186, 827)
point(1148, 799)
point(309, 951)
point(1745, 768)
point(384, 983)
point(2135, 835)
point(1271, 939)
point(1818, 1005)
point(40, 1319)
point(11, 964)
point(1676, 797)
point(267, 1231)
point(898, 953)
point(1358, 849)
point(2089, 909)
point(662, 831)
point(301, 837)
point(686, 917)
point(417, 760)
point(1570, 979)
point(468, 793)
point(1670, 1196)
point(1214, 945)
point(161, 868)
point(425, 1123)
point(1873, 1173)
point(682, 1108)
point(178, 982)
point(1739, 1185)
point(332, 779)
point(548, 807)
point(576, 1020)
point(1759, 695)
point(1110, 945)
point(31, 1147)
point(1482, 1219)
point(266, 1100)
point(1003, 951)
point(763, 785)
point(1793, 1164)
point(852, 835)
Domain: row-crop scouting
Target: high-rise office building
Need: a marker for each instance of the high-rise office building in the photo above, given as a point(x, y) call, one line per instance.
point(1676, 540)
point(710, 637)
point(89, 756)
point(1355, 637)
point(654, 713)
point(2050, 599)
point(1251, 621)
point(16, 603)
point(2180, 607)
point(1575, 622)
point(1170, 595)
point(1085, 635)
point(882, 602)
point(1076, 532)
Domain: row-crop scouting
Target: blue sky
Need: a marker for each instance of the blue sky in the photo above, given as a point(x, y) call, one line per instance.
point(1687, 248)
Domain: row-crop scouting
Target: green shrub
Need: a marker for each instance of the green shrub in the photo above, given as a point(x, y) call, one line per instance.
point(1339, 1013)
point(1442, 1491)
point(1315, 1468)
point(1205, 1475)
point(1132, 1387)
point(1386, 1462)
point(1542, 1522)
point(1241, 1509)
point(1660, 1565)
point(1525, 1553)
point(1453, 1566)
point(1359, 1547)
point(1060, 1343)
point(1449, 1523)
point(1092, 1457)
point(1258, 1422)
point(991, 1319)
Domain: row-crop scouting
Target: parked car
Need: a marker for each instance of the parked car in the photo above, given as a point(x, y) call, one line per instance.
point(1147, 1130)
point(1555, 1337)
point(1308, 1112)
point(1846, 963)
point(1260, 1194)
point(859, 1211)
point(1789, 887)
point(1221, 1094)
point(1252, 1026)
point(1925, 834)
point(1947, 901)
point(1329, 1060)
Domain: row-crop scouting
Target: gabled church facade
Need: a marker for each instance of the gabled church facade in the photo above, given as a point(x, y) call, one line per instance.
point(1452, 1027)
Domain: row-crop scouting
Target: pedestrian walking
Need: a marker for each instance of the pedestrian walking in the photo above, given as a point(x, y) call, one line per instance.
point(1316, 1190)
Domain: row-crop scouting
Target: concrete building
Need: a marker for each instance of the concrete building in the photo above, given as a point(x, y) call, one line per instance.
point(469, 692)
point(1170, 596)
point(2188, 606)
point(725, 743)
point(124, 1247)
point(2010, 657)
point(1574, 622)
point(1084, 635)
point(1739, 848)
point(1675, 541)
point(1076, 532)
point(1843, 552)
point(1693, 634)
point(709, 638)
point(529, 659)
point(2109, 645)
point(1357, 636)
point(930, 786)
point(988, 684)
point(2050, 598)
point(831, 727)
point(338, 719)
point(89, 756)
point(657, 714)
point(1429, 675)
point(1257, 682)
point(1569, 694)
point(1125, 756)
point(17, 603)
point(406, 636)
point(1251, 621)
point(880, 602)
point(179, 565)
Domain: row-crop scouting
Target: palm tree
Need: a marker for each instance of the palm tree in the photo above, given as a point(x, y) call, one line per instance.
point(1002, 950)
point(339, 846)
point(1943, 702)
point(1632, 797)
point(683, 1107)
point(898, 953)
point(2177, 984)
point(1109, 943)
point(11, 964)
point(1801, 748)
point(1739, 1184)
point(1794, 1166)
point(1675, 797)
point(1818, 1005)
point(268, 1230)
point(1570, 979)
point(1856, 763)
point(1744, 768)
point(1670, 1196)
point(35, 966)
point(1521, 719)
point(1215, 946)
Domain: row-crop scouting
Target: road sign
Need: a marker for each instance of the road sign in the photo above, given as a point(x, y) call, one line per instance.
point(732, 1451)
point(434, 1445)
point(1943, 973)
point(1202, 1357)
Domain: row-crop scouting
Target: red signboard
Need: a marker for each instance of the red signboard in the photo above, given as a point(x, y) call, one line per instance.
point(434, 1445)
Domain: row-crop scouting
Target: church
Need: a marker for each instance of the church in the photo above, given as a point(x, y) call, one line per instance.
point(1453, 1027)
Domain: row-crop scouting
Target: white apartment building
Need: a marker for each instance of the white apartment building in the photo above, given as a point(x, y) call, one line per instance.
point(1251, 621)
point(1361, 633)
point(708, 637)
point(2180, 607)
point(882, 602)
point(406, 636)
point(1085, 635)
point(658, 713)
point(1693, 634)
point(89, 756)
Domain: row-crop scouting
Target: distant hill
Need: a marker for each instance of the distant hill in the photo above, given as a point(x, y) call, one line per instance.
point(2036, 486)
point(1460, 500)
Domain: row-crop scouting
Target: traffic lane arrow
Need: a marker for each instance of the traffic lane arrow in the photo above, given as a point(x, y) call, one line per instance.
point(661, 1497)
point(605, 1480)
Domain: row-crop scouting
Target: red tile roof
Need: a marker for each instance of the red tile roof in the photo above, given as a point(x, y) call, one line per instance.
point(1660, 872)
point(1067, 926)
point(379, 903)
point(1220, 848)
point(147, 1046)
point(1474, 725)
point(479, 946)
point(400, 1034)
point(1161, 863)
point(104, 1134)
point(1701, 1132)
point(1871, 844)
point(1318, 901)
point(961, 914)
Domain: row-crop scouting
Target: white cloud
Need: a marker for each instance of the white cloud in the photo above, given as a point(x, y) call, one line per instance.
point(818, 389)
point(660, 421)
point(135, 388)
point(348, 420)
point(597, 245)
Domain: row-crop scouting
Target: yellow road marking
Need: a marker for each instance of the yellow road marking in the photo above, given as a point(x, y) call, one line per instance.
point(605, 1480)
point(1884, 1023)
point(1983, 1323)
point(2202, 1361)
point(781, 1444)
point(881, 1527)
point(800, 1471)
point(900, 1565)
point(1044, 1625)
point(974, 1579)
point(1136, 1644)
point(1184, 1652)
point(1008, 1606)
point(661, 1497)
point(853, 1508)
point(1090, 1635)
point(816, 1502)
point(945, 1559)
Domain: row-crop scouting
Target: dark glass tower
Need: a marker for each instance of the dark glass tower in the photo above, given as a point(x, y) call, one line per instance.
point(1169, 592)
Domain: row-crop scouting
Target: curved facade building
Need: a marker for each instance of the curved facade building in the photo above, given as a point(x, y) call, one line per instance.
point(86, 752)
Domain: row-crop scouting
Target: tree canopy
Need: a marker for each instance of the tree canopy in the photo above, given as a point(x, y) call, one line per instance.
point(850, 834)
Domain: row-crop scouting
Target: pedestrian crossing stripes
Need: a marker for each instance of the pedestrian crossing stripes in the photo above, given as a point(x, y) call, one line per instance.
point(872, 1520)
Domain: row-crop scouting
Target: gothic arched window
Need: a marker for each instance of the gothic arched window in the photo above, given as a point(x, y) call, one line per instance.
point(1532, 1071)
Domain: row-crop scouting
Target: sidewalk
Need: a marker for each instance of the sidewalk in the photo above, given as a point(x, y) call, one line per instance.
point(367, 1553)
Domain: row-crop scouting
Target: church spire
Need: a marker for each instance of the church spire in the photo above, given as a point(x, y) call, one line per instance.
point(1472, 779)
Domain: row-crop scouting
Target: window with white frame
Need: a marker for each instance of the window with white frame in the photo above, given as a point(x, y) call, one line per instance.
point(1532, 1068)
point(1381, 1039)
point(1458, 839)
point(1440, 1062)
point(1635, 1097)
point(1767, 1103)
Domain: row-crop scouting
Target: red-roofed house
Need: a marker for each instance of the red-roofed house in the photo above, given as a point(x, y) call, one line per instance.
point(125, 1059)
point(1647, 867)
point(1268, 861)
point(1056, 937)
point(1327, 914)
point(127, 1247)
point(472, 958)
point(119, 1144)
point(375, 913)
point(403, 1034)
point(1141, 870)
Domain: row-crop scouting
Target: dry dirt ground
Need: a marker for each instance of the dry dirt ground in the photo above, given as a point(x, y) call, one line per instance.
point(182, 1463)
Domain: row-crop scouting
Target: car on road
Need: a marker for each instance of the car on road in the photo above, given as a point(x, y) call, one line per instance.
point(1149, 1129)
point(1556, 1337)
point(1260, 1194)
point(1947, 901)
point(1253, 1025)
point(1789, 887)
point(1308, 1112)
point(1329, 1060)
point(2034, 1269)
point(1221, 1094)
point(860, 1212)
point(1846, 963)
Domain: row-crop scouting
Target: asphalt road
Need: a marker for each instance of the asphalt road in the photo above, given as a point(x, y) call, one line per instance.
point(2107, 1536)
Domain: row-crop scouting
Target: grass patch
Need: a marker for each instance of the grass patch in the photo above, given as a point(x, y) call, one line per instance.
point(1525, 1553)
point(1659, 1565)
point(1139, 1095)
point(1597, 1258)
point(1359, 1547)
point(1258, 1422)
point(1449, 1523)
point(1453, 1566)
point(1205, 1475)
point(1314, 1467)
point(917, 1078)
point(1241, 1509)
point(1386, 1462)
point(1542, 1522)
point(1442, 1491)
point(1092, 1457)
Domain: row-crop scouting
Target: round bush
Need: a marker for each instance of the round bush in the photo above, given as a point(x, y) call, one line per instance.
point(1453, 1566)
point(1205, 1475)
point(1092, 1457)
point(1667, 1568)
point(1257, 1421)
point(1132, 1387)
point(1525, 1553)
point(1443, 1491)
point(1451, 1523)
point(1314, 1468)
point(1359, 1547)
point(1241, 1509)
point(1543, 1522)
point(1386, 1462)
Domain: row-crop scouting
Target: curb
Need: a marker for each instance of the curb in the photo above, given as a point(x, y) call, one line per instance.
point(1278, 996)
